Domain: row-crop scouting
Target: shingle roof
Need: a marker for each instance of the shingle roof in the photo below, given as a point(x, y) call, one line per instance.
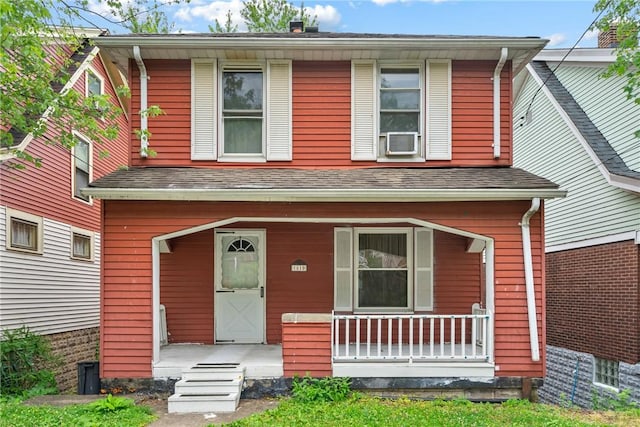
point(171, 178)
point(606, 154)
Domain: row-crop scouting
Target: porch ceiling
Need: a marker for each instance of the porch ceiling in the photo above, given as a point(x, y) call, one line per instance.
point(340, 185)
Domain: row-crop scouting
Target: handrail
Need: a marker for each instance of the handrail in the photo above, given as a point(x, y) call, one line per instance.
point(411, 337)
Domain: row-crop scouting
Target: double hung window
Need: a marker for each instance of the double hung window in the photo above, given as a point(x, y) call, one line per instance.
point(400, 100)
point(242, 111)
point(94, 83)
point(81, 168)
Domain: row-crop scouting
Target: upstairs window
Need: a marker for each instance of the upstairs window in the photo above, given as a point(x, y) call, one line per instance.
point(81, 160)
point(242, 112)
point(94, 83)
point(412, 106)
point(399, 100)
point(24, 232)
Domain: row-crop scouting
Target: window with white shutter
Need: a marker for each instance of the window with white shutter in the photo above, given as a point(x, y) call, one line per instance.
point(383, 269)
point(241, 111)
point(401, 112)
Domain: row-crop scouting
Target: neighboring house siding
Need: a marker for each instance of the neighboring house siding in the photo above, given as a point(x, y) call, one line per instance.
point(50, 293)
point(546, 147)
point(321, 119)
point(127, 294)
point(596, 288)
point(605, 102)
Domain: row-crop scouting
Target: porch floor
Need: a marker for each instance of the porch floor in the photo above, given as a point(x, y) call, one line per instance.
point(259, 360)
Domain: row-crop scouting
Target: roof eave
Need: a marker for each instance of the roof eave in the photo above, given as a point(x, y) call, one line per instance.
point(323, 195)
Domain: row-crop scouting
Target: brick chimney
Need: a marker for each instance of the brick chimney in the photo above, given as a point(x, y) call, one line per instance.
point(607, 39)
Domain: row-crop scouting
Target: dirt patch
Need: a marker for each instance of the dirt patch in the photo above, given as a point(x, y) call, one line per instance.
point(245, 408)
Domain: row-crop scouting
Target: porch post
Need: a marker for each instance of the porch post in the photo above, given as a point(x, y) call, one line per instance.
point(489, 292)
point(155, 292)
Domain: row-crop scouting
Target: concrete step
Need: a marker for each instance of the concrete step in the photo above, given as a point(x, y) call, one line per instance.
point(185, 404)
point(190, 386)
point(214, 371)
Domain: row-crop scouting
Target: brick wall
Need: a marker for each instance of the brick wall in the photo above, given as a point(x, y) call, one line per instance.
point(73, 347)
point(593, 300)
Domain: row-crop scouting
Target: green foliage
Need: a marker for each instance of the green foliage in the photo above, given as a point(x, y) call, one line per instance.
point(227, 27)
point(372, 412)
point(273, 16)
point(625, 16)
point(26, 364)
point(609, 400)
point(328, 389)
point(38, 38)
point(111, 404)
point(15, 414)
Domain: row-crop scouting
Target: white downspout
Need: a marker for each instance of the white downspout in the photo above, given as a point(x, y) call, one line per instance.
point(528, 278)
point(496, 102)
point(144, 141)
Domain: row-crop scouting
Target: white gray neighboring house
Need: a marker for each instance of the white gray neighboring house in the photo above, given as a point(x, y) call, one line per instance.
point(576, 128)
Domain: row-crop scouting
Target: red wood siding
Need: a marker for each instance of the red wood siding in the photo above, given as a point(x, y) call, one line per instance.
point(47, 191)
point(187, 288)
point(306, 349)
point(321, 119)
point(129, 226)
point(472, 113)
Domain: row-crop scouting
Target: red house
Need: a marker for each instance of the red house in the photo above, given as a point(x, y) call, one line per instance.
point(50, 232)
point(324, 203)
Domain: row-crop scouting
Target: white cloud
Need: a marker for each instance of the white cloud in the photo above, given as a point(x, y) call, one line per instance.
point(209, 12)
point(556, 39)
point(328, 16)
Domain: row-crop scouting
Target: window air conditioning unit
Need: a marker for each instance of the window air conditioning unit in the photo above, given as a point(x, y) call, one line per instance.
point(402, 143)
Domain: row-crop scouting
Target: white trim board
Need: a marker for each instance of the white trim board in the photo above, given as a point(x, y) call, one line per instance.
point(613, 238)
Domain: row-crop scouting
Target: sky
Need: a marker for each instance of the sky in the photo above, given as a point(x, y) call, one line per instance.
point(561, 22)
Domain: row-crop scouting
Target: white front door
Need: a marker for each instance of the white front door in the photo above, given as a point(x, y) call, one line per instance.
point(239, 285)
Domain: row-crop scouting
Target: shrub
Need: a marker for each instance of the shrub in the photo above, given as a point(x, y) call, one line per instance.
point(328, 389)
point(26, 364)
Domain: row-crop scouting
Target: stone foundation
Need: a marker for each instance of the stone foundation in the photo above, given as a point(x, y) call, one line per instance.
point(73, 347)
point(570, 382)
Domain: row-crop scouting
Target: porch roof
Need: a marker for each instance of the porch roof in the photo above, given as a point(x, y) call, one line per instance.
point(290, 184)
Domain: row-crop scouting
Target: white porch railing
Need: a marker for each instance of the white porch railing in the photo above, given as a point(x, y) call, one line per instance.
point(412, 337)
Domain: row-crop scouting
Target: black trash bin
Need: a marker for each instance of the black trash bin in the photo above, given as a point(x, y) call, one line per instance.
point(88, 377)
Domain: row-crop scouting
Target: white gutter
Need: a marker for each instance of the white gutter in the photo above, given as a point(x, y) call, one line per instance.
point(320, 195)
point(528, 278)
point(496, 102)
point(144, 140)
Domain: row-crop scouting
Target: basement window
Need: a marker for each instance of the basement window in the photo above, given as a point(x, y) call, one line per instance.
point(606, 373)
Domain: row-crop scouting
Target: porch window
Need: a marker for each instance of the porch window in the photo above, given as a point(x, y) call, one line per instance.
point(606, 372)
point(24, 232)
point(383, 269)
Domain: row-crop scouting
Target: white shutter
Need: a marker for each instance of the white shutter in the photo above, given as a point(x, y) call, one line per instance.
point(203, 110)
point(279, 110)
point(423, 262)
point(343, 269)
point(364, 130)
point(438, 110)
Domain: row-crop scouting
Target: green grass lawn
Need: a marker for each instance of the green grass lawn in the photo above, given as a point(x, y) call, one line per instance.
point(357, 410)
point(368, 411)
point(107, 412)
